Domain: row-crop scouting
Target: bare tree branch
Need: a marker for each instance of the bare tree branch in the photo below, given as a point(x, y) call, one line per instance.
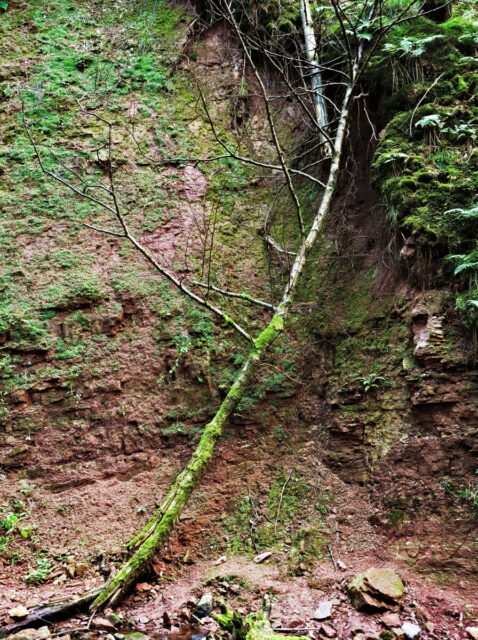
point(231, 294)
point(116, 211)
point(240, 158)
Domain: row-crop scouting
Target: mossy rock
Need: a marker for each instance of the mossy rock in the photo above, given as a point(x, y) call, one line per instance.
point(376, 589)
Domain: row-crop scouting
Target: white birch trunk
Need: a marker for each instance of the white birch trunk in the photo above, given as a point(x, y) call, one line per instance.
point(310, 46)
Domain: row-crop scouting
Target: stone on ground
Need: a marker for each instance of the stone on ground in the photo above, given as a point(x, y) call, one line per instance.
point(411, 630)
point(323, 611)
point(391, 619)
point(204, 606)
point(18, 612)
point(376, 589)
point(43, 633)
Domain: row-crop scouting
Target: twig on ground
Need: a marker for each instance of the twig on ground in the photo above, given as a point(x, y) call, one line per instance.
point(281, 499)
point(331, 554)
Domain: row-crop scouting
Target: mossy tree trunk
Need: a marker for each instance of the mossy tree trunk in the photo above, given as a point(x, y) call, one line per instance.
point(150, 539)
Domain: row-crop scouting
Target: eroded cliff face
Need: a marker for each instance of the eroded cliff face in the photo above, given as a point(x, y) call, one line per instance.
point(395, 323)
point(393, 396)
point(108, 375)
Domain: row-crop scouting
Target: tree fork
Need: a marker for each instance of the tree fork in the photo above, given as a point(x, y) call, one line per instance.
point(152, 536)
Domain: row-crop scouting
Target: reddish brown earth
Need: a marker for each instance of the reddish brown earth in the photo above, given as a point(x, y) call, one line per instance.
point(100, 463)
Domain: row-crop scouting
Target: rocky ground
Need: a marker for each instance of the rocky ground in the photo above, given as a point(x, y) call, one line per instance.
point(329, 603)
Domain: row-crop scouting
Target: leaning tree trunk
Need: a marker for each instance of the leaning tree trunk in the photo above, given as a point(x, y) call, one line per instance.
point(153, 535)
point(151, 538)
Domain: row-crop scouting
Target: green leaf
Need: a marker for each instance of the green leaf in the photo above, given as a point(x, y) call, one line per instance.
point(3, 5)
point(433, 121)
point(465, 265)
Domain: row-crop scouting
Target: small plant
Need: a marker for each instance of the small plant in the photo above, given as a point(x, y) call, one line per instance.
point(432, 126)
point(64, 352)
point(372, 381)
point(7, 367)
point(9, 525)
point(177, 428)
point(467, 494)
point(280, 435)
point(463, 132)
point(183, 343)
point(4, 540)
point(9, 522)
point(40, 574)
point(82, 320)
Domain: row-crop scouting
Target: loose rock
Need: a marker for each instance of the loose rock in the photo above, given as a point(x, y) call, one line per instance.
point(204, 606)
point(18, 612)
point(411, 630)
point(323, 611)
point(391, 619)
point(43, 633)
point(328, 631)
point(376, 589)
point(472, 632)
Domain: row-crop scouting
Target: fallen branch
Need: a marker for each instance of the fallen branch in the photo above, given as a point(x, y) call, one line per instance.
point(45, 614)
point(279, 506)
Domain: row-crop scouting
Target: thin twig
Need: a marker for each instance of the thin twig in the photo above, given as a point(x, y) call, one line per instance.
point(422, 99)
point(268, 364)
point(232, 294)
point(271, 242)
point(331, 554)
point(281, 498)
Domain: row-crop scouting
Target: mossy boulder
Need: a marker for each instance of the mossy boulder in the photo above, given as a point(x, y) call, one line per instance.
point(376, 589)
